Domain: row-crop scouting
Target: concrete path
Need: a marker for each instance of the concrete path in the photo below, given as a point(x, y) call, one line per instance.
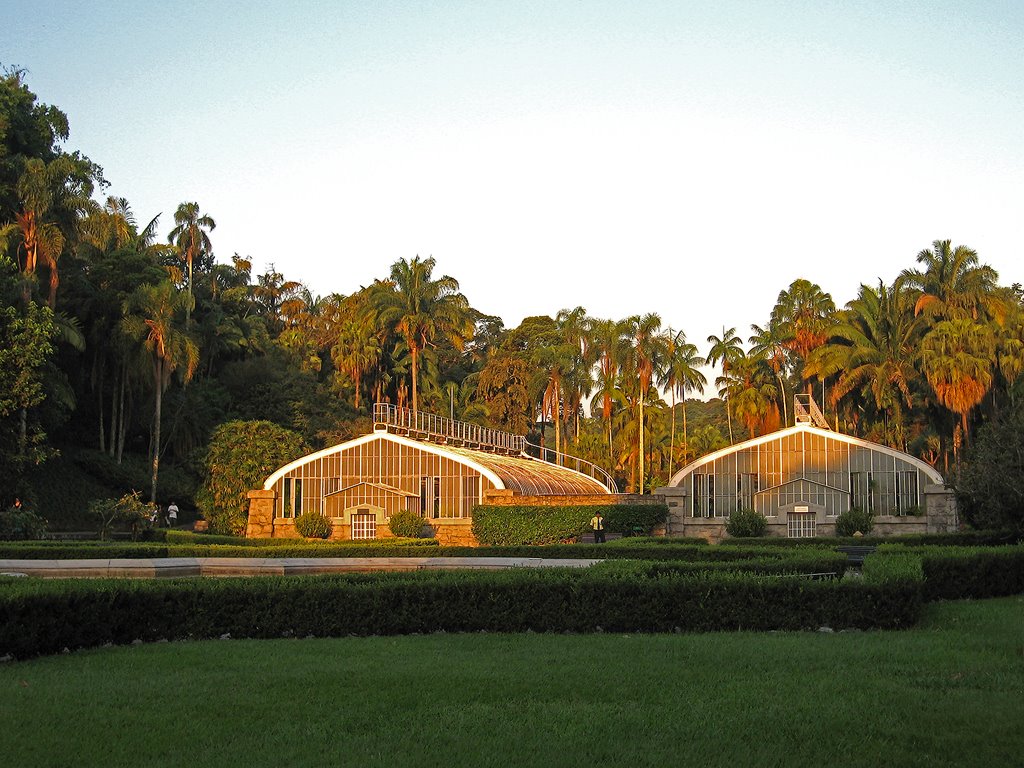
point(167, 567)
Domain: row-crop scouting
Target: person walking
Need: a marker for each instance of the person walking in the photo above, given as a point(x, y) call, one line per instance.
point(597, 524)
point(172, 515)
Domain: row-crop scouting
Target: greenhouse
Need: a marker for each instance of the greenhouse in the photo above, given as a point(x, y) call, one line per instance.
point(803, 477)
point(437, 468)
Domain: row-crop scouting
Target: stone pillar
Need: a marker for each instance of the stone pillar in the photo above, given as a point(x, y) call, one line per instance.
point(261, 514)
point(675, 499)
point(940, 509)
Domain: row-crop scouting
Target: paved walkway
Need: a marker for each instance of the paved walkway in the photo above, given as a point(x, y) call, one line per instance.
point(166, 567)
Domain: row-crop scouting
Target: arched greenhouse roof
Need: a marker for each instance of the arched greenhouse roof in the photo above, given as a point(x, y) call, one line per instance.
point(523, 474)
point(924, 467)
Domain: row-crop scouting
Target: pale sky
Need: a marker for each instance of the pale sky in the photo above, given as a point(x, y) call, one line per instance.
point(685, 158)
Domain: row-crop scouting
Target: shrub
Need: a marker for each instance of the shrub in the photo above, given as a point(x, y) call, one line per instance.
point(313, 525)
point(128, 510)
point(18, 524)
point(528, 524)
point(746, 523)
point(240, 457)
point(406, 524)
point(854, 520)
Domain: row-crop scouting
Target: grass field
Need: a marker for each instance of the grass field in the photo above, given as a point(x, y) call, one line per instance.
point(950, 693)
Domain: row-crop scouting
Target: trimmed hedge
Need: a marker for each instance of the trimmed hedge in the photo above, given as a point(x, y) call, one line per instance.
point(959, 538)
point(39, 617)
point(952, 573)
point(528, 524)
point(57, 550)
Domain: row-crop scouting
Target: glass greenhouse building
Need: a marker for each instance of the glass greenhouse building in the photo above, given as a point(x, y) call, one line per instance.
point(802, 476)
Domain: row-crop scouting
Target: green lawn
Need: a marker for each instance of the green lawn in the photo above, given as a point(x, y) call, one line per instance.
point(948, 693)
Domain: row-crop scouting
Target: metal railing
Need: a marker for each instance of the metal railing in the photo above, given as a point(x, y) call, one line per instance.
point(436, 428)
point(568, 461)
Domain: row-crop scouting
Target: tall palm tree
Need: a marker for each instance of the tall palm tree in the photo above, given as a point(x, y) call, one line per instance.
point(648, 352)
point(608, 345)
point(577, 382)
point(957, 357)
point(872, 352)
point(357, 349)
point(422, 310)
point(803, 316)
point(41, 239)
point(151, 318)
point(750, 388)
point(191, 236)
point(952, 284)
point(728, 350)
point(769, 344)
point(680, 375)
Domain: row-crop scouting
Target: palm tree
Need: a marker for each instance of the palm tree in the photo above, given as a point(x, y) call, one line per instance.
point(728, 350)
point(577, 381)
point(680, 375)
point(647, 358)
point(191, 236)
point(41, 240)
point(608, 345)
point(357, 349)
point(952, 284)
point(803, 315)
point(872, 352)
point(750, 388)
point(422, 310)
point(151, 318)
point(957, 357)
point(768, 343)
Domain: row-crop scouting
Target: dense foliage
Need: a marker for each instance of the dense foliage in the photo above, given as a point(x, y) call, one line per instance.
point(524, 524)
point(20, 524)
point(115, 342)
point(406, 524)
point(853, 522)
point(746, 524)
point(241, 455)
point(990, 484)
point(313, 525)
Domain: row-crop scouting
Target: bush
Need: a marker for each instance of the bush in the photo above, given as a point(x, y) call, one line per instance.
point(746, 523)
point(313, 525)
point(406, 524)
point(128, 510)
point(240, 457)
point(18, 524)
point(853, 521)
point(528, 524)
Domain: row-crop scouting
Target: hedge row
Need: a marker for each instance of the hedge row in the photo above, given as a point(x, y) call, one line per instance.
point(528, 524)
point(959, 538)
point(51, 550)
point(40, 617)
point(953, 573)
